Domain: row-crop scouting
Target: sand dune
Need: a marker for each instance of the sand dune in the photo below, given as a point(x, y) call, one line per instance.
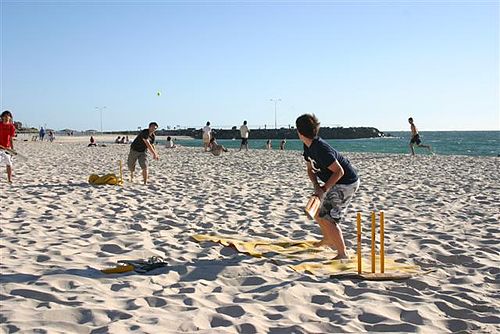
point(57, 232)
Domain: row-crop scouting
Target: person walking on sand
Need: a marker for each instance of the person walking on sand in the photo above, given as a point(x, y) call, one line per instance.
point(282, 144)
point(415, 138)
point(41, 134)
point(207, 135)
point(339, 182)
point(141, 144)
point(7, 134)
point(244, 132)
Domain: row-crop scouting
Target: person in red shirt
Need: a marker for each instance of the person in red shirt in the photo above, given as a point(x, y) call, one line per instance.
point(7, 133)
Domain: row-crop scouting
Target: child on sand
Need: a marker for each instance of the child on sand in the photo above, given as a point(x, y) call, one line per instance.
point(415, 138)
point(7, 134)
point(215, 148)
point(339, 178)
point(92, 142)
point(51, 136)
point(170, 143)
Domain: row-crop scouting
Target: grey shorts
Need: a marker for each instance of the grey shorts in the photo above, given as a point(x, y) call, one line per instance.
point(135, 156)
point(335, 202)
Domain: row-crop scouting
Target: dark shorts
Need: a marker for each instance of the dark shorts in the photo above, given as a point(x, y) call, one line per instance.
point(244, 141)
point(415, 140)
point(135, 156)
point(336, 200)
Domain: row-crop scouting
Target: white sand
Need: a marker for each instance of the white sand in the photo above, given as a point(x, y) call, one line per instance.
point(57, 231)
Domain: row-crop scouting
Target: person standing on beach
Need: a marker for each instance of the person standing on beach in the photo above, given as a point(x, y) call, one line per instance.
point(282, 144)
point(41, 134)
point(207, 135)
point(244, 135)
point(415, 138)
point(7, 134)
point(141, 144)
point(339, 178)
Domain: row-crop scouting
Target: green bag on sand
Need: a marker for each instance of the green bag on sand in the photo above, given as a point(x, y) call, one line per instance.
point(105, 179)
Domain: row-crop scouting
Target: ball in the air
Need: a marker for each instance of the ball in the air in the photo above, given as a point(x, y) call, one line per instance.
point(158, 93)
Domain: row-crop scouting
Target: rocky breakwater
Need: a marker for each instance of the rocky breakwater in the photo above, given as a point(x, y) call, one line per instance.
point(283, 133)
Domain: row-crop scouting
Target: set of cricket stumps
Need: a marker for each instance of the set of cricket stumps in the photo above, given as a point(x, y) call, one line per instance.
point(311, 210)
point(373, 241)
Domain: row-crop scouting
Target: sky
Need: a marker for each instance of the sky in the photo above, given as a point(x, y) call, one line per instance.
point(64, 64)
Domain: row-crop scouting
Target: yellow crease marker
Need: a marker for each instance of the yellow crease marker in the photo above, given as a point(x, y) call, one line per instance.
point(360, 263)
point(373, 242)
point(382, 255)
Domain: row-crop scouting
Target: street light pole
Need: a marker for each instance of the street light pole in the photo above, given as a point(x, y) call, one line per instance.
point(275, 100)
point(100, 110)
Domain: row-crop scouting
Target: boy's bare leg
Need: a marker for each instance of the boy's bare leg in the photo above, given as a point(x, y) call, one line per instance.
point(412, 150)
point(427, 147)
point(327, 231)
point(145, 175)
point(9, 174)
point(332, 237)
point(131, 167)
point(338, 240)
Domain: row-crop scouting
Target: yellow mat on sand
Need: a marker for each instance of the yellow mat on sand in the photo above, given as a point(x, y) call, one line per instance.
point(313, 260)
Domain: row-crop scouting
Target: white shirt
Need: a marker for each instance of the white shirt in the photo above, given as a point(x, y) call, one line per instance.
point(206, 130)
point(244, 131)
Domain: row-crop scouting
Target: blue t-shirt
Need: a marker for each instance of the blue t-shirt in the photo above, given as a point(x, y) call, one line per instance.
point(322, 155)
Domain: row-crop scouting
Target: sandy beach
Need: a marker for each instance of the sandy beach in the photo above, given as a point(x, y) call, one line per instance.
point(57, 231)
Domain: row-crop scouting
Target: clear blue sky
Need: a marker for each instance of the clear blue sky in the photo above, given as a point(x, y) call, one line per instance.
point(352, 63)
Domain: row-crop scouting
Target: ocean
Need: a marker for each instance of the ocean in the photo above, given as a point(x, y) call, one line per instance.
point(470, 143)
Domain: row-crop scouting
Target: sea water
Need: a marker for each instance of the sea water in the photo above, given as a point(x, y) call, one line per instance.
point(471, 143)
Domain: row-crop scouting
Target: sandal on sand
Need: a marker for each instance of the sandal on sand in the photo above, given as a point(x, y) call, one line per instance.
point(139, 266)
